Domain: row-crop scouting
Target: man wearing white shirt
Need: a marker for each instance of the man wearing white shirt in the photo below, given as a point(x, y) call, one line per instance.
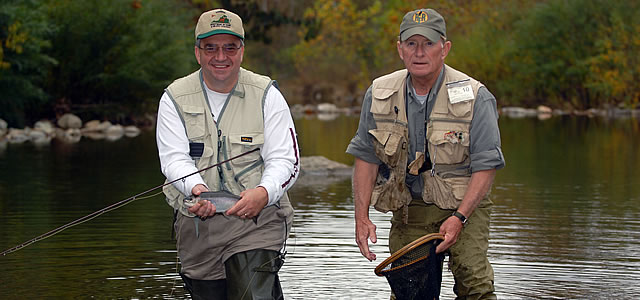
point(209, 116)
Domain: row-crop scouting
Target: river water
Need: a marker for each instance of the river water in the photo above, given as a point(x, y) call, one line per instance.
point(566, 219)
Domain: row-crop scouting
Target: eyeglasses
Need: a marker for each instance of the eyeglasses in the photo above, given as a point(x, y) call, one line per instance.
point(227, 49)
point(413, 45)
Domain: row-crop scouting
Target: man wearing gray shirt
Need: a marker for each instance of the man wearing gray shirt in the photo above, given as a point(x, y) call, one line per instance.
point(427, 148)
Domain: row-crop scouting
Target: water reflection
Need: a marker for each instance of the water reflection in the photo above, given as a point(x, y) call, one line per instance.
point(565, 221)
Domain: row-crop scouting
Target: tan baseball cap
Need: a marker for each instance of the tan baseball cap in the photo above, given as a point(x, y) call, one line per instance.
point(219, 21)
point(426, 22)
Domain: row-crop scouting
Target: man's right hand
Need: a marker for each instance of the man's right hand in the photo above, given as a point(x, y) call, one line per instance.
point(365, 230)
point(364, 176)
point(202, 208)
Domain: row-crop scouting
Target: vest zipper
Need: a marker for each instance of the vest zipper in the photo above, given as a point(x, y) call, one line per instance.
point(449, 120)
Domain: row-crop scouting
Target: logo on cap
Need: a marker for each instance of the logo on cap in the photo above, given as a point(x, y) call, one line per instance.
point(223, 21)
point(420, 17)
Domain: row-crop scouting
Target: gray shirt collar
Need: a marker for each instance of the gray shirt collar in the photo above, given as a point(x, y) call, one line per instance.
point(433, 93)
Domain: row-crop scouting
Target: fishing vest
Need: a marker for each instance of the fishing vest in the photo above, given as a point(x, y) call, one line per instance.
point(239, 128)
point(447, 138)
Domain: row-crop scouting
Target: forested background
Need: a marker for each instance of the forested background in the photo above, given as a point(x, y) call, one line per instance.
point(112, 59)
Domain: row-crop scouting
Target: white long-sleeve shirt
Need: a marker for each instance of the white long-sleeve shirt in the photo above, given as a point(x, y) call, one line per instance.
point(279, 152)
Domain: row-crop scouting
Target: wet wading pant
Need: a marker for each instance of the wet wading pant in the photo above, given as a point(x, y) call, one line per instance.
point(251, 275)
point(468, 261)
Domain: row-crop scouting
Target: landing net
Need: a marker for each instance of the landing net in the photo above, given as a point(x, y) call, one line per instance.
point(415, 271)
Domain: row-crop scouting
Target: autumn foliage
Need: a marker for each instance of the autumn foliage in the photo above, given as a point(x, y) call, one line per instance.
point(112, 59)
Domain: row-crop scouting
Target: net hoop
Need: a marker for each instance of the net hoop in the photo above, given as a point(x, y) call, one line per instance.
point(379, 270)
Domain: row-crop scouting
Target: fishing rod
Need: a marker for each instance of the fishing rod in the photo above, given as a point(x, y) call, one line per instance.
point(112, 207)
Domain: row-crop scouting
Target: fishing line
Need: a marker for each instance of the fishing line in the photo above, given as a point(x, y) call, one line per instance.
point(113, 206)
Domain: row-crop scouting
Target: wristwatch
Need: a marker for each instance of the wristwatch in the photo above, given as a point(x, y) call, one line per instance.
point(460, 216)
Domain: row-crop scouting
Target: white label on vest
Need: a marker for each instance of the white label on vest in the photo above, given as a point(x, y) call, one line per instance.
point(460, 91)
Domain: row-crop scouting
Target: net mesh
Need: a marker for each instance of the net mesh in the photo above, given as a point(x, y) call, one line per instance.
point(416, 273)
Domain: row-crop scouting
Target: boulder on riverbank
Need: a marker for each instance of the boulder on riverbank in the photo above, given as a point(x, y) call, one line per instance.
point(322, 166)
point(69, 121)
point(69, 129)
point(3, 128)
point(544, 112)
point(319, 170)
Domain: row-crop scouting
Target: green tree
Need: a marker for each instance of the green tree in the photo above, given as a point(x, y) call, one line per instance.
point(577, 54)
point(24, 32)
point(340, 47)
point(117, 56)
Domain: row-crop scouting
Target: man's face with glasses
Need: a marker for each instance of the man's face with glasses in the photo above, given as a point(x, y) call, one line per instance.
point(220, 56)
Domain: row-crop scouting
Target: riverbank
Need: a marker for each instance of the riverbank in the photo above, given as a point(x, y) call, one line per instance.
point(324, 110)
point(71, 129)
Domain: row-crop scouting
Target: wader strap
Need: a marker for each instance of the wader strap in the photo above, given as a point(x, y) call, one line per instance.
point(195, 223)
point(173, 224)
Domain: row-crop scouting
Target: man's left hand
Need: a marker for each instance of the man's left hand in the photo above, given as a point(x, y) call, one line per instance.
point(451, 229)
point(252, 201)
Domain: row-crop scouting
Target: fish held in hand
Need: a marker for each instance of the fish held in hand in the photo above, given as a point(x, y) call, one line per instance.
point(223, 200)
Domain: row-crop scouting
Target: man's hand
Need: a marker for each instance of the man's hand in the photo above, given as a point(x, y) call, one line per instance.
point(364, 176)
point(203, 208)
point(365, 230)
point(451, 229)
point(251, 203)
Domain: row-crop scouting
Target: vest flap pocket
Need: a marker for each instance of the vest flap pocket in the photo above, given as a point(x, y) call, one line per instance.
point(380, 103)
point(382, 93)
point(208, 151)
point(449, 136)
point(391, 142)
point(461, 109)
point(194, 120)
point(381, 135)
point(190, 109)
point(244, 142)
point(248, 139)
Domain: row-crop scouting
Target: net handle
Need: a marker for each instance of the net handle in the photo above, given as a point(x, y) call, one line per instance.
point(421, 240)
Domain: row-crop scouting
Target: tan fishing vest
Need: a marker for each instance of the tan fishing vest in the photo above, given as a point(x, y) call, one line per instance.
point(447, 139)
point(239, 128)
point(204, 246)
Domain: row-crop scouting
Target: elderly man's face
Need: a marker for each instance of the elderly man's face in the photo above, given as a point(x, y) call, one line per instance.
point(423, 58)
point(220, 63)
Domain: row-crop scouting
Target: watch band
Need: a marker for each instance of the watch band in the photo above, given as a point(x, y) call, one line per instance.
point(460, 216)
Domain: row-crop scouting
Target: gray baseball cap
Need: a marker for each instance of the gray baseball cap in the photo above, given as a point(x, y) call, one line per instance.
point(426, 22)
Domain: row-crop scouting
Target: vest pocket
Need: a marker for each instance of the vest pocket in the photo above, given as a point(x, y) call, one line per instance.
point(450, 146)
point(444, 193)
point(389, 146)
point(247, 169)
point(460, 109)
point(387, 195)
point(194, 121)
point(391, 193)
point(380, 103)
